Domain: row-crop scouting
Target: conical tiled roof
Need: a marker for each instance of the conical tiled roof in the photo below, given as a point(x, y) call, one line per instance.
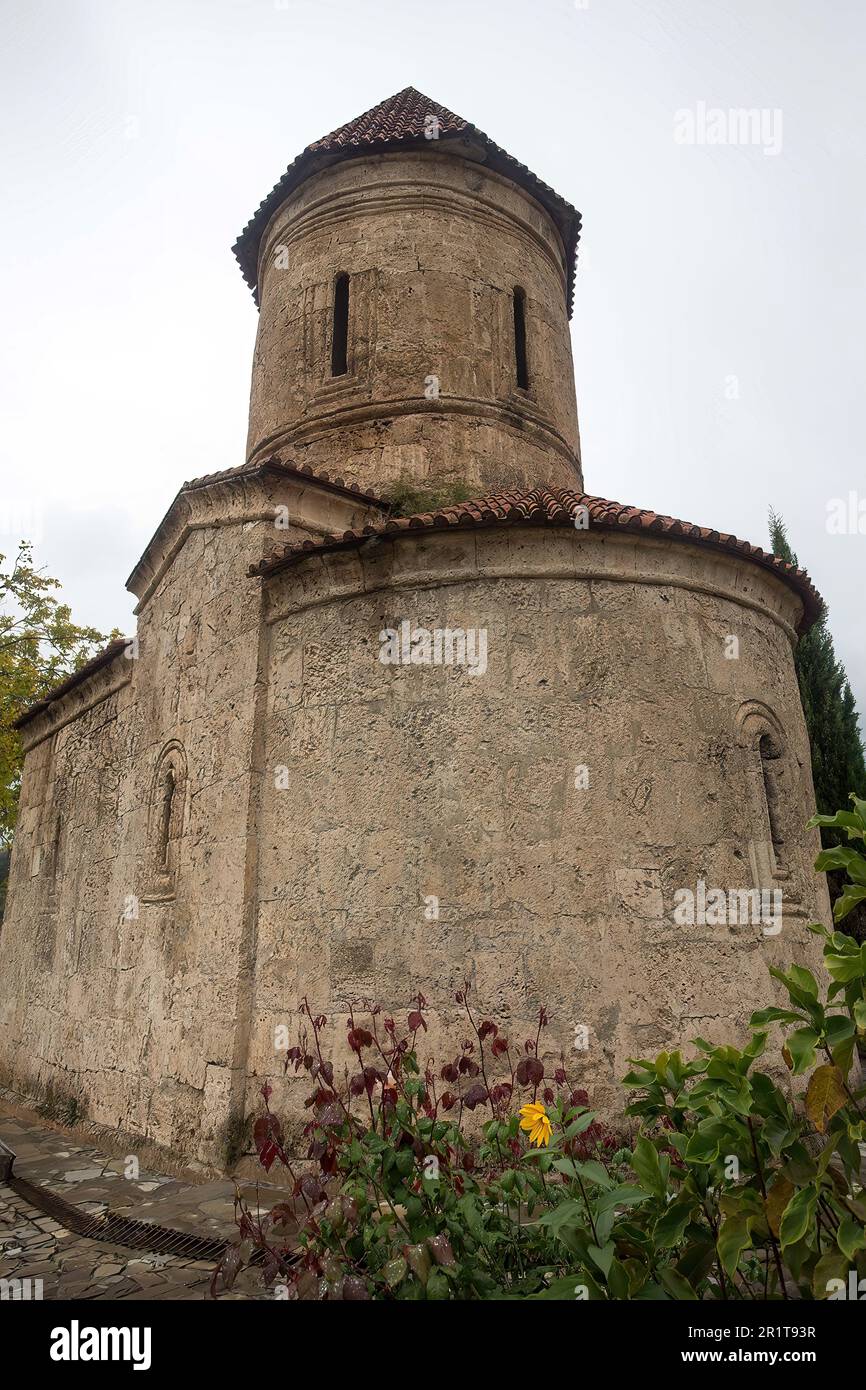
point(405, 116)
point(401, 120)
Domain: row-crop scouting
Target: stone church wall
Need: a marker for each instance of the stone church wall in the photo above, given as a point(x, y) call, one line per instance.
point(61, 1025)
point(125, 969)
point(128, 993)
point(322, 800)
point(402, 783)
point(127, 996)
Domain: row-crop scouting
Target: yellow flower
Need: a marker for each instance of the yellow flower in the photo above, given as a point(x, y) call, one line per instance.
point(534, 1119)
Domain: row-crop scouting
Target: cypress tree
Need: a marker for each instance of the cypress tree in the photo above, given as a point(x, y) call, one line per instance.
point(838, 764)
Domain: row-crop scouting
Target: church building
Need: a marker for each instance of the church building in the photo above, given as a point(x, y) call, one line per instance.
point(356, 753)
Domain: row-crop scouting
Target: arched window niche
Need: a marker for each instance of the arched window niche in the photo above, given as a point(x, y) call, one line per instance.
point(772, 799)
point(166, 812)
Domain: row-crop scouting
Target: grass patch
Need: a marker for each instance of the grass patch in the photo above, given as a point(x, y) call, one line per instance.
point(406, 497)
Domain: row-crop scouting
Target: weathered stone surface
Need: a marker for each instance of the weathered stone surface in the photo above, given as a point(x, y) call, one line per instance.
point(428, 780)
point(251, 807)
point(434, 245)
point(120, 982)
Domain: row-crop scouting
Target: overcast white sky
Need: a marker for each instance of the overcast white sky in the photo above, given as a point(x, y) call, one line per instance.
point(720, 308)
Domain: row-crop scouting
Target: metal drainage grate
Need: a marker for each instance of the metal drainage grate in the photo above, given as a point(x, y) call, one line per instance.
point(117, 1230)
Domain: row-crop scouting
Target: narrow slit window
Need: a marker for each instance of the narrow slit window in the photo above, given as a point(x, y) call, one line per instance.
point(520, 338)
point(340, 328)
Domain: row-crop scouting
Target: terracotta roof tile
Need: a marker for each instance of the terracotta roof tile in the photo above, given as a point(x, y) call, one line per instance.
point(544, 506)
point(252, 470)
point(273, 465)
point(539, 506)
point(277, 465)
point(400, 120)
point(400, 117)
point(102, 658)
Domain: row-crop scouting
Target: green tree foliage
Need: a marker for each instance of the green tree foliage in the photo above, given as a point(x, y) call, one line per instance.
point(828, 704)
point(39, 647)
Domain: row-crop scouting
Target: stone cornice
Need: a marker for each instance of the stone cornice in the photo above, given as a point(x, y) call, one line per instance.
point(77, 699)
point(517, 414)
point(289, 224)
point(418, 560)
point(315, 506)
point(315, 503)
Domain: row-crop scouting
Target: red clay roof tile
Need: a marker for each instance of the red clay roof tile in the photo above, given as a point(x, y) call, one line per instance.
point(403, 116)
point(544, 506)
point(254, 470)
point(102, 658)
point(400, 120)
point(540, 506)
point(277, 465)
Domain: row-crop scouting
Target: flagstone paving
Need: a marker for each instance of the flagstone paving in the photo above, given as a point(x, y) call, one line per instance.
point(36, 1247)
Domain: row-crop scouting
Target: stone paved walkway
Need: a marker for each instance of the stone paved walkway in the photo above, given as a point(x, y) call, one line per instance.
point(36, 1247)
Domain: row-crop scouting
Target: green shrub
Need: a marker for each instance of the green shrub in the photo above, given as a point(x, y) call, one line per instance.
point(407, 498)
